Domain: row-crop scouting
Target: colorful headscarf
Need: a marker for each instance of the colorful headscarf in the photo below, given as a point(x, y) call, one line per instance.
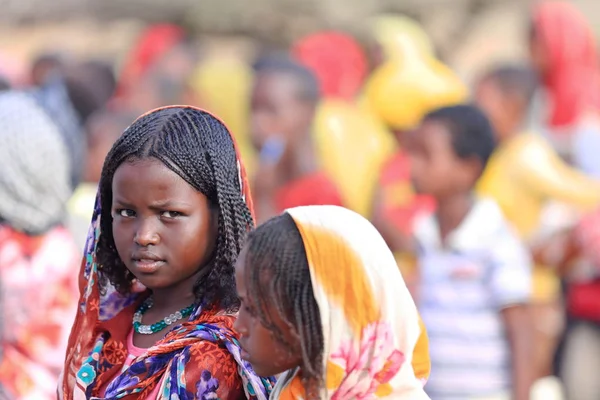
point(95, 356)
point(337, 60)
point(373, 338)
point(34, 166)
point(573, 78)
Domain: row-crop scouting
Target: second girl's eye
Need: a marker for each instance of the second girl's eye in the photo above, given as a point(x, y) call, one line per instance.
point(126, 213)
point(171, 214)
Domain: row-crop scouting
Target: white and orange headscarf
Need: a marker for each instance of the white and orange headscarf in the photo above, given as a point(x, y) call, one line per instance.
point(375, 345)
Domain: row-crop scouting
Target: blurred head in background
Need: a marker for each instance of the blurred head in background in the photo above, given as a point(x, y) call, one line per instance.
point(504, 93)
point(283, 102)
point(162, 57)
point(34, 166)
point(44, 67)
point(90, 85)
point(450, 150)
point(337, 60)
point(563, 51)
point(102, 130)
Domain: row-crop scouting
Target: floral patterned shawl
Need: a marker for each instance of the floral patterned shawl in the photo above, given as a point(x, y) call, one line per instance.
point(375, 346)
point(199, 359)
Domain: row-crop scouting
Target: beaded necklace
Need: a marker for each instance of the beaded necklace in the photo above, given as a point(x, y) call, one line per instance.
point(160, 325)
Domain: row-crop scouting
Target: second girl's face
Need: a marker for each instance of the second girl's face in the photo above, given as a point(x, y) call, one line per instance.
point(164, 230)
point(260, 347)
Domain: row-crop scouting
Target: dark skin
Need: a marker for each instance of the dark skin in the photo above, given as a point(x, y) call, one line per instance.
point(438, 171)
point(505, 111)
point(268, 356)
point(279, 113)
point(165, 233)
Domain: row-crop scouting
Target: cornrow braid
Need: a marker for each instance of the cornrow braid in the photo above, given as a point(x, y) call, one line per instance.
point(280, 276)
point(199, 148)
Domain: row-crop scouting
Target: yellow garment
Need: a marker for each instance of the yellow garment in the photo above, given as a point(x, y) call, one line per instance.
point(376, 345)
point(401, 93)
point(224, 86)
point(83, 200)
point(80, 209)
point(522, 176)
point(352, 146)
point(400, 36)
point(525, 173)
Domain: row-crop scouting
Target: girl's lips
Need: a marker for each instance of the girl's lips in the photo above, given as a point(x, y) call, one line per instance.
point(147, 266)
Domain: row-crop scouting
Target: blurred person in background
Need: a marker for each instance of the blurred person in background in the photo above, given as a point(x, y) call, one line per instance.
point(475, 275)
point(400, 93)
point(523, 175)
point(44, 67)
point(38, 258)
point(70, 98)
point(283, 104)
point(103, 129)
point(579, 353)
point(563, 51)
point(351, 143)
point(157, 70)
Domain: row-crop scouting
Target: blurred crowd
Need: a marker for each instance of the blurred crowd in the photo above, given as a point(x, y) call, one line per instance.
point(334, 121)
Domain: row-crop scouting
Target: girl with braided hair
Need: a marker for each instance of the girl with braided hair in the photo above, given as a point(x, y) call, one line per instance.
point(324, 303)
point(172, 212)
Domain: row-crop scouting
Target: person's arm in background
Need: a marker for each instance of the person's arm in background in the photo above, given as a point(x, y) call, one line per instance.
point(511, 287)
point(541, 170)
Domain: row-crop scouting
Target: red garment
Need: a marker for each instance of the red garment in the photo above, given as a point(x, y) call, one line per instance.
point(400, 203)
point(573, 78)
point(153, 44)
point(39, 298)
point(337, 60)
point(311, 190)
point(583, 298)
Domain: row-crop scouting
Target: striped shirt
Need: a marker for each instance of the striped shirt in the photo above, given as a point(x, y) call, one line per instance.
point(482, 269)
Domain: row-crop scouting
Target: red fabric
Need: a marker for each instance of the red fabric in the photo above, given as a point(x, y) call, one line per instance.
point(583, 299)
point(87, 326)
point(337, 60)
point(400, 203)
point(154, 43)
point(311, 190)
point(573, 77)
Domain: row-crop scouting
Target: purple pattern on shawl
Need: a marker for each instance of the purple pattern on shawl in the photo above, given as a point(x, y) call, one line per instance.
point(206, 388)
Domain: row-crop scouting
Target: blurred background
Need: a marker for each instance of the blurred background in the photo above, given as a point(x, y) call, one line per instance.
point(82, 70)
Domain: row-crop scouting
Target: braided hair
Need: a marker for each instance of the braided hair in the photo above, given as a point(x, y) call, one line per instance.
point(280, 277)
point(199, 148)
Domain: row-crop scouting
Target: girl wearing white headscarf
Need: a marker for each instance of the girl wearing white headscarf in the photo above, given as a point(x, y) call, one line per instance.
point(323, 303)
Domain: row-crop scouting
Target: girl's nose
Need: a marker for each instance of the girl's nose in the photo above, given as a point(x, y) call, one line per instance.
point(146, 234)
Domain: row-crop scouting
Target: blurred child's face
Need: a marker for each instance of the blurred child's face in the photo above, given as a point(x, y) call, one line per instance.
point(277, 110)
point(502, 111)
point(436, 170)
point(164, 229)
point(268, 356)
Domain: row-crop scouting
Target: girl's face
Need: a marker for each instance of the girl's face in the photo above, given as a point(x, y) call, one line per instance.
point(260, 347)
point(164, 229)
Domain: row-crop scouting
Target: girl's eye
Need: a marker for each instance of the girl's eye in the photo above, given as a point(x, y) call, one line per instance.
point(126, 213)
point(171, 214)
